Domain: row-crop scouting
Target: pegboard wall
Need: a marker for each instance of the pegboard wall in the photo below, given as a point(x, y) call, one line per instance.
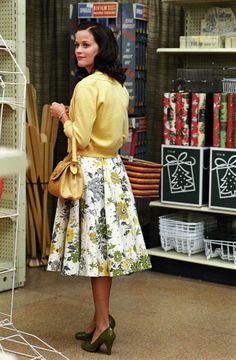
point(194, 13)
point(8, 19)
point(12, 229)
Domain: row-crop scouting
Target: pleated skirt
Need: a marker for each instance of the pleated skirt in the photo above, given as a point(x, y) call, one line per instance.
point(99, 234)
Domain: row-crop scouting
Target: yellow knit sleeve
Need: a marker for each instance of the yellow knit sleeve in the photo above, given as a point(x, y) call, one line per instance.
point(125, 130)
point(83, 108)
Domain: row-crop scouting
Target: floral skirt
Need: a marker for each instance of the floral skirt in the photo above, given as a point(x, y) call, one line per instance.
point(99, 235)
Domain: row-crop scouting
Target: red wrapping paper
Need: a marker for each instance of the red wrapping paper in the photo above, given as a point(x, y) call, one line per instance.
point(216, 120)
point(172, 119)
point(194, 119)
point(230, 121)
point(185, 120)
point(179, 123)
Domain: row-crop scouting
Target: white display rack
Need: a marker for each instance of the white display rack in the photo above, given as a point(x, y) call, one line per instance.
point(226, 250)
point(12, 100)
point(184, 231)
point(28, 345)
point(195, 258)
point(13, 161)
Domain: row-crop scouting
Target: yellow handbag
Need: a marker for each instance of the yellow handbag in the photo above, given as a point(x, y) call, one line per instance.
point(66, 180)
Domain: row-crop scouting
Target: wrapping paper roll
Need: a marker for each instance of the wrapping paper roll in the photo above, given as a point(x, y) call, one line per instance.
point(179, 123)
point(223, 118)
point(230, 121)
point(216, 119)
point(201, 119)
point(185, 121)
point(194, 119)
point(172, 119)
point(166, 123)
point(234, 133)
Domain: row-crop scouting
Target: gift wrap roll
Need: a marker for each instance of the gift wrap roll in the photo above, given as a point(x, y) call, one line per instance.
point(216, 119)
point(223, 118)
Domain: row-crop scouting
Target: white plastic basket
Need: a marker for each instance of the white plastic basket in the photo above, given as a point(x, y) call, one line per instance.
point(226, 250)
point(184, 231)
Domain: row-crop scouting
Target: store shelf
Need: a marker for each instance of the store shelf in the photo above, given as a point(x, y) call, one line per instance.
point(197, 258)
point(197, 50)
point(197, 2)
point(158, 203)
point(6, 267)
point(10, 43)
point(10, 102)
point(7, 213)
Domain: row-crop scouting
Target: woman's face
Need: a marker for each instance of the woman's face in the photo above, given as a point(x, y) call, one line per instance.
point(86, 49)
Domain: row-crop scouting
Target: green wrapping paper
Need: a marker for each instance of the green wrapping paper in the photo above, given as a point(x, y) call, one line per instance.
point(223, 118)
point(201, 119)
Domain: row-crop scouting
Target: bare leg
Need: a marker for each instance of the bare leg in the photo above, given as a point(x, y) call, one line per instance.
point(101, 287)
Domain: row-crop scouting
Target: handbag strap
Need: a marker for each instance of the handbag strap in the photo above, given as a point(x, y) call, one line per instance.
point(73, 148)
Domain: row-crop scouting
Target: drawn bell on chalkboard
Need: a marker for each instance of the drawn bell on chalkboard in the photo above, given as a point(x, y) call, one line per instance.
point(226, 177)
point(180, 173)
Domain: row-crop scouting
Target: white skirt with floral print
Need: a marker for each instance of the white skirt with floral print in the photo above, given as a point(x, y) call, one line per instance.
point(99, 235)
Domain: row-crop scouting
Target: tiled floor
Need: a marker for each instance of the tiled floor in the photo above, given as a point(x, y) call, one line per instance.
point(159, 317)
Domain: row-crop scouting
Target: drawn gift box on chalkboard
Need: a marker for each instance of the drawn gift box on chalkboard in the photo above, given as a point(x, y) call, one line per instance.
point(180, 172)
point(226, 176)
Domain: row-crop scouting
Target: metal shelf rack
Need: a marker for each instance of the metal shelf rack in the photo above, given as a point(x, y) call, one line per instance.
point(194, 11)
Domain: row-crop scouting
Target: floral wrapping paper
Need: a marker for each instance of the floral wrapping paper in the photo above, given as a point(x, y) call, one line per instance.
point(179, 123)
point(230, 121)
point(201, 119)
point(172, 119)
point(216, 119)
point(234, 133)
point(185, 120)
point(166, 123)
point(194, 119)
point(223, 118)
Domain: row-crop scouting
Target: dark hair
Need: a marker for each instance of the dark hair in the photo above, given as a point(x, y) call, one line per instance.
point(106, 60)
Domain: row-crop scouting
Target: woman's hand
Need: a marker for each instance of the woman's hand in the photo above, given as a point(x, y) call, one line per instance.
point(57, 109)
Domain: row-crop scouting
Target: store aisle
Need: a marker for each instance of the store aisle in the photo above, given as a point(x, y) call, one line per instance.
point(159, 317)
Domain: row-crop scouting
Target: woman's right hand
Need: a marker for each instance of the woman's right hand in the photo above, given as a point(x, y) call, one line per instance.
point(57, 109)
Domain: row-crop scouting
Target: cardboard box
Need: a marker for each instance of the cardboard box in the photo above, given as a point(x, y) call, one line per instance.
point(185, 175)
point(230, 41)
point(222, 193)
point(201, 41)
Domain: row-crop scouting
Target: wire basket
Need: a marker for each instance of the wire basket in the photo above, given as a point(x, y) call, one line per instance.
point(226, 250)
point(184, 232)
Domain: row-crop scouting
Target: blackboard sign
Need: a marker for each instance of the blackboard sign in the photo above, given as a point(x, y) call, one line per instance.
point(185, 175)
point(223, 178)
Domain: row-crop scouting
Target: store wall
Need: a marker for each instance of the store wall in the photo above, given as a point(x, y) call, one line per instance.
point(165, 26)
point(47, 47)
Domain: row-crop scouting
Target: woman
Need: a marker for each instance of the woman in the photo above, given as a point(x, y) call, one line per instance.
point(99, 235)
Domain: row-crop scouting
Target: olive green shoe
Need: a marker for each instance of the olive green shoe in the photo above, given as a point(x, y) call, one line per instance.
point(107, 338)
point(85, 336)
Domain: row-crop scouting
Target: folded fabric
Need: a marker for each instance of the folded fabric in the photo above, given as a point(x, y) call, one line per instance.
point(144, 177)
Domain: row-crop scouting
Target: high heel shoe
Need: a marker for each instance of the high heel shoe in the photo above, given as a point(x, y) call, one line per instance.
point(86, 336)
point(107, 338)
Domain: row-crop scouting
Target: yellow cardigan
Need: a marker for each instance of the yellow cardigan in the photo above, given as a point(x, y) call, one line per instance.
point(98, 116)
